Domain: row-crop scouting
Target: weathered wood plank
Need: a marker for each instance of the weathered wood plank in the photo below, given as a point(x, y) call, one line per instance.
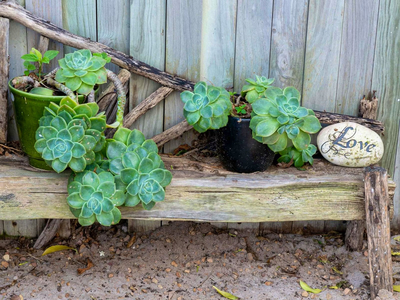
point(396, 177)
point(288, 42)
point(325, 192)
point(253, 40)
point(50, 10)
point(113, 20)
point(386, 78)
point(79, 17)
point(357, 54)
point(182, 57)
point(17, 48)
point(322, 54)
point(378, 230)
point(147, 43)
point(4, 41)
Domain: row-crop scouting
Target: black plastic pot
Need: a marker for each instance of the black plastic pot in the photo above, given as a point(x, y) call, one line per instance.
point(238, 151)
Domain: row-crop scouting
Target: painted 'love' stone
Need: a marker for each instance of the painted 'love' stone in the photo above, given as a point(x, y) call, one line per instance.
point(350, 144)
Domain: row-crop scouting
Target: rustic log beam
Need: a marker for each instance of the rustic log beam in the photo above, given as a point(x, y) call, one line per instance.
point(378, 230)
point(4, 36)
point(146, 105)
point(172, 133)
point(325, 192)
point(108, 97)
point(333, 118)
point(18, 13)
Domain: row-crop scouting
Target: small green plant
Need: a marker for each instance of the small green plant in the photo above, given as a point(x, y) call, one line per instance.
point(256, 88)
point(299, 157)
point(80, 71)
point(240, 110)
point(35, 56)
point(279, 121)
point(207, 107)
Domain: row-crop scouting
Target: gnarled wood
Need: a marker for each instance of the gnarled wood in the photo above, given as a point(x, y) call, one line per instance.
point(4, 35)
point(108, 97)
point(378, 230)
point(48, 233)
point(18, 13)
point(369, 108)
point(325, 192)
point(146, 104)
point(172, 133)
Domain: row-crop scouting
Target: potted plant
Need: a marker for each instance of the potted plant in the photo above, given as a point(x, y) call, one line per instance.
point(262, 121)
point(35, 91)
point(124, 170)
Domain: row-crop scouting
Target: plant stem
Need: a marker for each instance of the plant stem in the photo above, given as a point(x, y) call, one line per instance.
point(62, 88)
point(121, 96)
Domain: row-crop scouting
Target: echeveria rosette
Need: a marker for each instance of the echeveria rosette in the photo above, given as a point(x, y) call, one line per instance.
point(70, 134)
point(81, 71)
point(94, 196)
point(207, 107)
point(279, 118)
point(299, 157)
point(256, 88)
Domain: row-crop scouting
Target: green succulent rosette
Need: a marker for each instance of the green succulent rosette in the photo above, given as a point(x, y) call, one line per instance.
point(208, 107)
point(137, 167)
point(70, 134)
point(80, 71)
point(278, 118)
point(299, 157)
point(94, 196)
point(256, 88)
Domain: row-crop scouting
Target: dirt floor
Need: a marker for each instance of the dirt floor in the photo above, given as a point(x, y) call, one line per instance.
point(184, 260)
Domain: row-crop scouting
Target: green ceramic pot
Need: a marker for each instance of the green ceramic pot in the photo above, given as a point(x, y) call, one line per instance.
point(28, 109)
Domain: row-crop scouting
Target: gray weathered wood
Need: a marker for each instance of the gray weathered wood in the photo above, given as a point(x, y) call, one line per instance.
point(4, 38)
point(15, 12)
point(288, 42)
point(142, 226)
point(24, 227)
point(378, 230)
point(322, 54)
point(253, 40)
point(396, 177)
point(326, 192)
point(172, 133)
point(357, 54)
point(48, 232)
point(182, 57)
point(386, 78)
point(43, 44)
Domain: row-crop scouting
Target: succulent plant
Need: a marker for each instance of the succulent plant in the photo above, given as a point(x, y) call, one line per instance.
point(279, 118)
point(256, 88)
point(69, 134)
point(207, 107)
point(137, 166)
point(299, 157)
point(94, 196)
point(81, 70)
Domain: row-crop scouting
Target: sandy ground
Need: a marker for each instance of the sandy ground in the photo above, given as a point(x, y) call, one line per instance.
point(183, 261)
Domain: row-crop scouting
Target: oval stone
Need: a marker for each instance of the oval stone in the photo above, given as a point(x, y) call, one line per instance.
point(350, 144)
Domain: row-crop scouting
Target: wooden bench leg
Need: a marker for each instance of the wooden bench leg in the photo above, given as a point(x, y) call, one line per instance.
point(355, 235)
point(378, 230)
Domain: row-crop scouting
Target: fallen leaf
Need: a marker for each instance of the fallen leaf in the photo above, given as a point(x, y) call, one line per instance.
point(56, 248)
point(333, 287)
point(226, 295)
point(395, 253)
point(337, 271)
point(88, 266)
point(396, 288)
point(131, 241)
point(306, 287)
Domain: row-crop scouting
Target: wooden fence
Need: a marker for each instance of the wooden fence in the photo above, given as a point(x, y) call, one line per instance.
point(333, 51)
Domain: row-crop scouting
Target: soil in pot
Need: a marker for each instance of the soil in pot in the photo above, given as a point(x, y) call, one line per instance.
point(28, 110)
point(237, 149)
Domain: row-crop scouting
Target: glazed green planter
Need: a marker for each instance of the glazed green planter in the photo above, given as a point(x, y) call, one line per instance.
point(28, 109)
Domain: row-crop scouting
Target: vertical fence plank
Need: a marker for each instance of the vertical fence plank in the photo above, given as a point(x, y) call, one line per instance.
point(50, 10)
point(147, 43)
point(253, 40)
point(79, 17)
point(252, 50)
point(322, 54)
point(17, 48)
point(288, 42)
point(357, 54)
point(183, 47)
point(322, 63)
point(386, 82)
point(4, 38)
point(113, 23)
